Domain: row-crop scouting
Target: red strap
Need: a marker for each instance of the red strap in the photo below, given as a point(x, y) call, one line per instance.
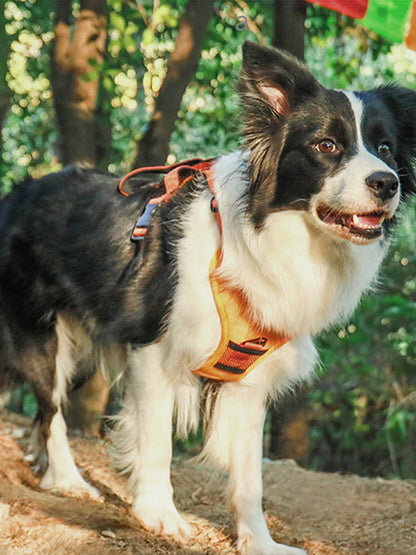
point(192, 163)
point(173, 181)
point(209, 174)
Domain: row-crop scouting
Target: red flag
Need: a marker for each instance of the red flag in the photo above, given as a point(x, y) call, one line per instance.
point(410, 39)
point(352, 8)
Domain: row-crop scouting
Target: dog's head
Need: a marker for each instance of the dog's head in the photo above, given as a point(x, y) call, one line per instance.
point(343, 158)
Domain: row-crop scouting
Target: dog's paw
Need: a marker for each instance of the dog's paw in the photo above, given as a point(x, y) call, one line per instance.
point(38, 461)
point(161, 519)
point(68, 485)
point(247, 546)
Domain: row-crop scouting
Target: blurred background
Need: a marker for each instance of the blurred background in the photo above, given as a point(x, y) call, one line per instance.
point(121, 83)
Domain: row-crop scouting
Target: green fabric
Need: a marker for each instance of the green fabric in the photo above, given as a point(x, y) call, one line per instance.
point(388, 18)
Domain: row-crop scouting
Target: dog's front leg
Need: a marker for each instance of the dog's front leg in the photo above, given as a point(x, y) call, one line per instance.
point(144, 443)
point(237, 428)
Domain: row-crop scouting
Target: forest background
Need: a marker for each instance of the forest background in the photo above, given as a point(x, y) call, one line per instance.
point(124, 83)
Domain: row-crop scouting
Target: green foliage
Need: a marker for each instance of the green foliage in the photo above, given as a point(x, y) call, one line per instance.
point(139, 45)
point(22, 401)
point(29, 132)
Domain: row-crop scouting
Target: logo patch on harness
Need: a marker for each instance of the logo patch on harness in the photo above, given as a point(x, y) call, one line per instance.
point(237, 358)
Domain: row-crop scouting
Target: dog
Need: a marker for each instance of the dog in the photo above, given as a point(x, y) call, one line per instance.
point(301, 221)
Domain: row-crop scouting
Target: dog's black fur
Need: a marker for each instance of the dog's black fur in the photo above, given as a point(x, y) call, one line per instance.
point(65, 246)
point(55, 235)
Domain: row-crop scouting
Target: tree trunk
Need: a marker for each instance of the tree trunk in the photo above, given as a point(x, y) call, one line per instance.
point(74, 84)
point(4, 89)
point(87, 405)
point(153, 147)
point(289, 430)
point(289, 26)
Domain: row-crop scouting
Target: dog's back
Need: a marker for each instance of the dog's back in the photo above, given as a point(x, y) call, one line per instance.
point(64, 246)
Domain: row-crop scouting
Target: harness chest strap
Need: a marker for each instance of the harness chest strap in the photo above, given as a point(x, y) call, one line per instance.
point(243, 344)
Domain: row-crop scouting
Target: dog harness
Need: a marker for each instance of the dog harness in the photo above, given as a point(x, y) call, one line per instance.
point(243, 344)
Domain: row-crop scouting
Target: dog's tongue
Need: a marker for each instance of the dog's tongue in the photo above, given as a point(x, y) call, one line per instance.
point(366, 221)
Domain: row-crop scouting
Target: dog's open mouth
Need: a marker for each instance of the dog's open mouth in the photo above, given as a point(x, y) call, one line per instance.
point(353, 226)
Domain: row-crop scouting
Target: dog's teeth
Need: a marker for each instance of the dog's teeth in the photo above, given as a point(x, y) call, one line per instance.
point(367, 222)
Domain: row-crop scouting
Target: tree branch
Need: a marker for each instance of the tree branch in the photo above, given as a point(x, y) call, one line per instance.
point(289, 26)
point(183, 63)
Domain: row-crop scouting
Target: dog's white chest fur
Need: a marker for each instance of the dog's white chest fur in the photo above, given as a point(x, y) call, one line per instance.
point(298, 279)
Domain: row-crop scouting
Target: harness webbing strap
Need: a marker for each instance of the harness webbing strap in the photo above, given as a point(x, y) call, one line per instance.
point(177, 175)
point(191, 163)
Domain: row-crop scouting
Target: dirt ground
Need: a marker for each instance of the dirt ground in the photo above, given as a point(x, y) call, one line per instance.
point(326, 514)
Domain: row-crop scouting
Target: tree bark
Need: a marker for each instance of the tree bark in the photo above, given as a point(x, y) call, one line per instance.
point(87, 405)
point(289, 26)
point(153, 147)
point(75, 92)
point(4, 89)
point(289, 430)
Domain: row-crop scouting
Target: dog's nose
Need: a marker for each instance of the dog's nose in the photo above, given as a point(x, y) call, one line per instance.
point(383, 184)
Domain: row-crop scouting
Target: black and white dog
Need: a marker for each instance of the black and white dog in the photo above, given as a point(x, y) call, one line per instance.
point(306, 206)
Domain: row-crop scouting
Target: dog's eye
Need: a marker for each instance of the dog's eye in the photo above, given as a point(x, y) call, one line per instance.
point(383, 150)
point(327, 146)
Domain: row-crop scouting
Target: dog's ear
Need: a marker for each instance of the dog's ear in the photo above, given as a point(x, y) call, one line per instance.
point(273, 83)
point(402, 104)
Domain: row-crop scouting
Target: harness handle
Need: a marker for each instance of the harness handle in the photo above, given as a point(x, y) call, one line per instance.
point(173, 180)
point(193, 163)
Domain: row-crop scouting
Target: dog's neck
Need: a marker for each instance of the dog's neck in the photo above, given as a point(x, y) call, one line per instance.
point(297, 278)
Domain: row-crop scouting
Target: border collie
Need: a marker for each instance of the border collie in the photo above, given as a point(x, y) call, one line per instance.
point(307, 206)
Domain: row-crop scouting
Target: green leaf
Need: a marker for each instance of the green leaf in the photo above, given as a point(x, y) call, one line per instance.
point(148, 36)
point(129, 43)
point(89, 76)
point(118, 22)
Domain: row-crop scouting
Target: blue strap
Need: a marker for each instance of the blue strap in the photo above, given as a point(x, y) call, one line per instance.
point(140, 227)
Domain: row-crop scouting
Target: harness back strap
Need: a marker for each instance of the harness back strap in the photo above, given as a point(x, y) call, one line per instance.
point(177, 175)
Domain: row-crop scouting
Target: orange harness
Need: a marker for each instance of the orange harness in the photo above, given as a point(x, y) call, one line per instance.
point(243, 344)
